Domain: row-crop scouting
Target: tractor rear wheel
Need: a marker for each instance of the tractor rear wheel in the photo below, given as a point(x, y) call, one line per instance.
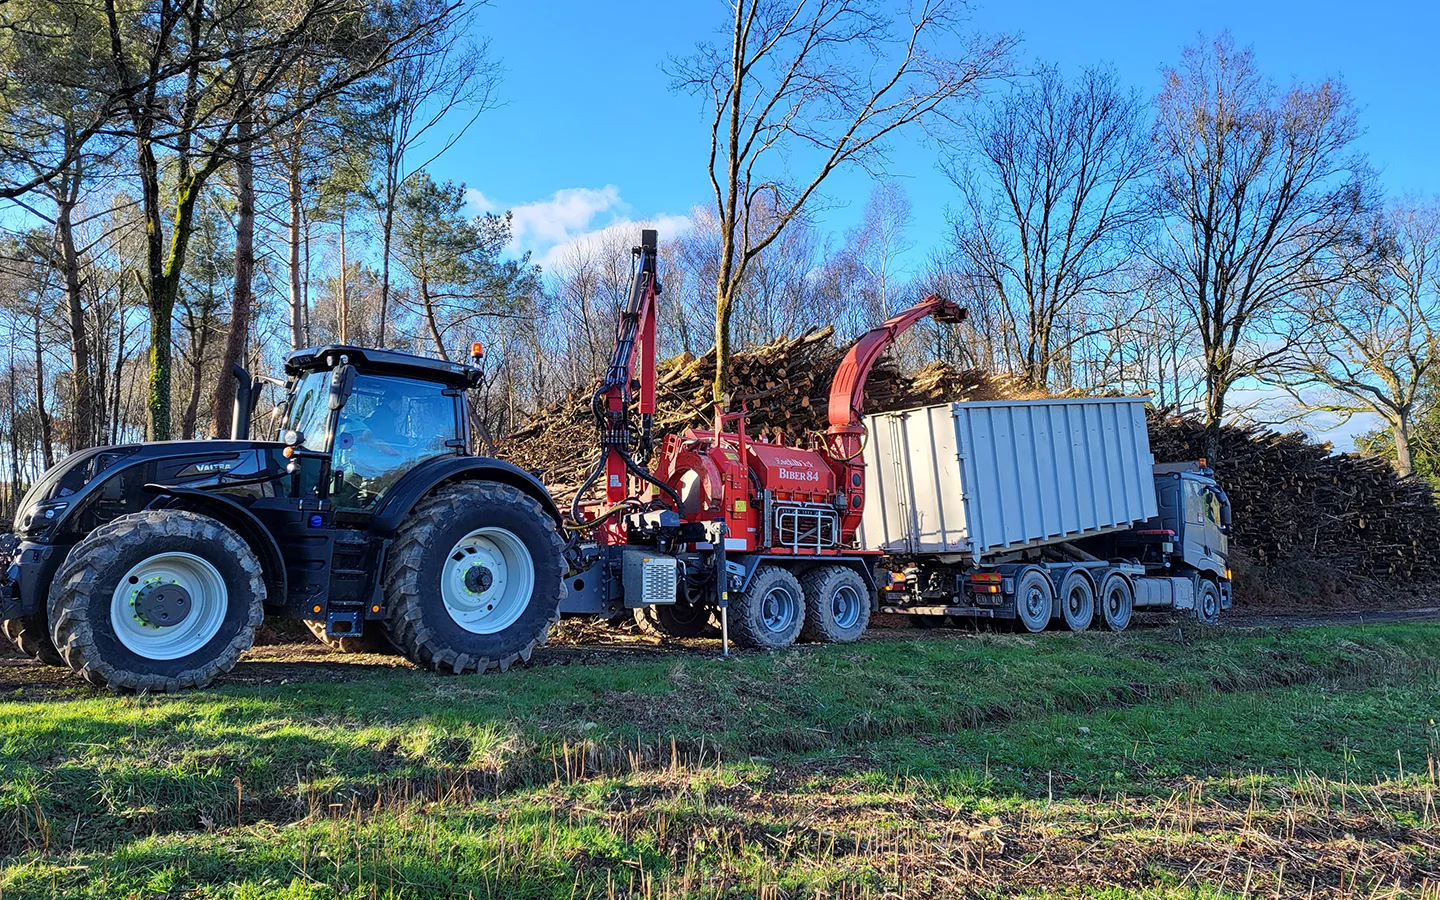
point(32, 635)
point(157, 601)
point(372, 641)
point(837, 605)
point(475, 578)
point(678, 619)
point(770, 612)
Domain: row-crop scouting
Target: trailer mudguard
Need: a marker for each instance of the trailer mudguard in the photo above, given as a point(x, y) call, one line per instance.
point(243, 521)
point(421, 480)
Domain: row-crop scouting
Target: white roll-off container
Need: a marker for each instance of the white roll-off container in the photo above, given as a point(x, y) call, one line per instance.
point(981, 480)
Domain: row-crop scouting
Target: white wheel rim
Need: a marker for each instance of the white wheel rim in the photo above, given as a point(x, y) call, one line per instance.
point(495, 605)
point(209, 600)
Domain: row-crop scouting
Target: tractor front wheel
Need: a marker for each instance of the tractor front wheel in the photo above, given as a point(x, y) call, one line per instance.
point(157, 601)
point(475, 579)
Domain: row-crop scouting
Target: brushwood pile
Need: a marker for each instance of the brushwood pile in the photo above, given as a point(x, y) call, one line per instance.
point(1293, 500)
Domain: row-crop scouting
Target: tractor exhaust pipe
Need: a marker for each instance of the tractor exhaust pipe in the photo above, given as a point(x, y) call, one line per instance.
point(244, 396)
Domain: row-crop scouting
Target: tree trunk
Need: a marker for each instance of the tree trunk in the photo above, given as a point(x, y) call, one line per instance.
point(239, 337)
point(297, 294)
point(389, 230)
point(47, 435)
point(1404, 459)
point(82, 431)
point(342, 304)
point(430, 318)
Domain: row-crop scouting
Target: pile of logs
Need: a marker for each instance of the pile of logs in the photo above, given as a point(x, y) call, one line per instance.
point(1292, 499)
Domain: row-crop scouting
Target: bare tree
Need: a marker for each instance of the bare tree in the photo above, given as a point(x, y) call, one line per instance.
point(1369, 343)
point(1050, 189)
point(816, 86)
point(1253, 185)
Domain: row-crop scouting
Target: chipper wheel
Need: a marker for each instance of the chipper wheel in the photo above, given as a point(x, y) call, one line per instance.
point(475, 578)
point(837, 605)
point(157, 601)
point(678, 619)
point(32, 635)
point(372, 641)
point(769, 614)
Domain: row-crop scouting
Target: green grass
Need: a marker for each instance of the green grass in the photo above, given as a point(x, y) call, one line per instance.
point(1220, 763)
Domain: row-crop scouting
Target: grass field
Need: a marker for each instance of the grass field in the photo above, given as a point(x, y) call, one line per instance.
point(1205, 764)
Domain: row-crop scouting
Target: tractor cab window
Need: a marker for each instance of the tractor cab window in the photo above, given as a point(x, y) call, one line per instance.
point(387, 427)
point(309, 410)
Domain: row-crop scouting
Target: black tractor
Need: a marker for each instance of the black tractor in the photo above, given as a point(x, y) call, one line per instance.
point(147, 567)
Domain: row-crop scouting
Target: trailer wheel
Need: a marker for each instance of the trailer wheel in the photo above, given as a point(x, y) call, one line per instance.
point(1034, 600)
point(32, 635)
point(372, 640)
point(678, 619)
point(1207, 604)
point(475, 579)
point(769, 614)
point(1117, 602)
point(837, 605)
point(1077, 601)
point(157, 601)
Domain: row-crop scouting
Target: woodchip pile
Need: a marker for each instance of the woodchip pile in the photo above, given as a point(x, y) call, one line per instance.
point(1292, 499)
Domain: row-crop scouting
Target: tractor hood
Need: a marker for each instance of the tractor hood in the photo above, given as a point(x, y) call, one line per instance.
point(116, 477)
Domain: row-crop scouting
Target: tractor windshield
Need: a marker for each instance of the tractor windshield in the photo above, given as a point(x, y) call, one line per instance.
point(308, 410)
point(388, 426)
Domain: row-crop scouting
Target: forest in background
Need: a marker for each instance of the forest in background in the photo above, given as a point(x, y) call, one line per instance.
point(188, 185)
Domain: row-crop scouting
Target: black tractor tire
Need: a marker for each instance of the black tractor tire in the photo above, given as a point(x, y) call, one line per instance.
point(1116, 602)
point(837, 605)
point(677, 620)
point(1207, 602)
point(373, 640)
point(1034, 600)
point(419, 623)
point(770, 612)
point(1077, 601)
point(81, 595)
point(31, 634)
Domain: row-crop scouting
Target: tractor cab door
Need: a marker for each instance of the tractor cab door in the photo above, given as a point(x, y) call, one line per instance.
point(387, 427)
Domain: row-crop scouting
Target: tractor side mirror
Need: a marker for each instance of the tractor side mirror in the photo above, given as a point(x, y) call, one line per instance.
point(342, 382)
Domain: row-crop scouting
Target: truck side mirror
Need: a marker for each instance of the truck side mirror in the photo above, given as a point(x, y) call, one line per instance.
point(342, 382)
point(1225, 519)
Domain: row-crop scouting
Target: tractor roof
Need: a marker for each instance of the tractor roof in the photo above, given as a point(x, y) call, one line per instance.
point(383, 362)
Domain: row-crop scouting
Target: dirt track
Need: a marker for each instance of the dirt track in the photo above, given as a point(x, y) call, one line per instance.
point(580, 642)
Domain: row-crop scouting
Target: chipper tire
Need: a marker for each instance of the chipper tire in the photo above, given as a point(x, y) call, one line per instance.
point(372, 641)
point(837, 605)
point(32, 635)
point(770, 612)
point(475, 579)
point(115, 587)
point(677, 620)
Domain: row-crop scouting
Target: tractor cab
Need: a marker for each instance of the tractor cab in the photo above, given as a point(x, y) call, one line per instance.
point(356, 420)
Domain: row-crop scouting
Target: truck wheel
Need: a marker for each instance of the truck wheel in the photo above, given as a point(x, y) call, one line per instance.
point(1034, 600)
point(373, 639)
point(678, 619)
point(1207, 603)
point(157, 601)
point(1077, 601)
point(837, 605)
point(32, 635)
point(769, 613)
point(475, 579)
point(1117, 602)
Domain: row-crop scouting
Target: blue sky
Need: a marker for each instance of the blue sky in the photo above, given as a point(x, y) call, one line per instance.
point(590, 134)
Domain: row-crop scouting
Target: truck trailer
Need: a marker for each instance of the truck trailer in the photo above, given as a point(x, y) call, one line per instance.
point(1040, 512)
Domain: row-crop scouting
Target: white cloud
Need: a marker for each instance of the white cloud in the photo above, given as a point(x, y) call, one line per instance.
point(570, 218)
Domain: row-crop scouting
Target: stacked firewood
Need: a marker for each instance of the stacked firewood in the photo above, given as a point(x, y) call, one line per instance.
point(1292, 499)
point(1295, 500)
